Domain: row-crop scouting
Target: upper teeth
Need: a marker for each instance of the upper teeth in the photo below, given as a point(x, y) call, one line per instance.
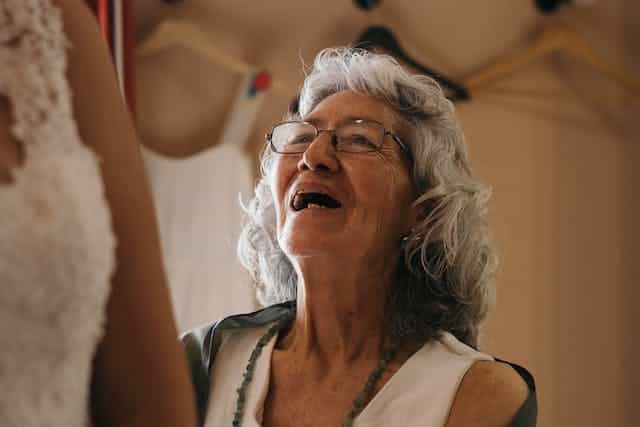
point(305, 199)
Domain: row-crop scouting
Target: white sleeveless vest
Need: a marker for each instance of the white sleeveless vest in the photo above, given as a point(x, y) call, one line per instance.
point(419, 394)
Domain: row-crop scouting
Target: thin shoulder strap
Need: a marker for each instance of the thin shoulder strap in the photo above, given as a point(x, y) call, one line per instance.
point(246, 107)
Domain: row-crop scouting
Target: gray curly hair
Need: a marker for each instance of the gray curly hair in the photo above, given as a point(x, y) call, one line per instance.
point(444, 281)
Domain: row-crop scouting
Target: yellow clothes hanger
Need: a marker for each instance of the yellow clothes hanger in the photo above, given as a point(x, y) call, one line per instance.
point(554, 38)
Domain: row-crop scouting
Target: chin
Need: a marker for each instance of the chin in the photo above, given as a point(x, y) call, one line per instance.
point(309, 243)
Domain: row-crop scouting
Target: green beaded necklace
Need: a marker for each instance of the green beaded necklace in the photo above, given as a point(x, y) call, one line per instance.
point(358, 403)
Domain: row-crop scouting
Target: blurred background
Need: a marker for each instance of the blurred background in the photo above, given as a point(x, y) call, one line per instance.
point(551, 121)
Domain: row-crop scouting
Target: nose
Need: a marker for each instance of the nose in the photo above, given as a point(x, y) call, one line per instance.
point(320, 155)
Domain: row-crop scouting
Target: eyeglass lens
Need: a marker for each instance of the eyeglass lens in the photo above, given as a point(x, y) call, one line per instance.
point(295, 137)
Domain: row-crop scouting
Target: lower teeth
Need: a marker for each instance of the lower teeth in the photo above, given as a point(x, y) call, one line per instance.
point(313, 205)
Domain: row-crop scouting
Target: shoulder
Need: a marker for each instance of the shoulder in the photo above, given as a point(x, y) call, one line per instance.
point(490, 395)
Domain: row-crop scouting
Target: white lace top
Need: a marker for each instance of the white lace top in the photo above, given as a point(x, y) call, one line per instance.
point(56, 242)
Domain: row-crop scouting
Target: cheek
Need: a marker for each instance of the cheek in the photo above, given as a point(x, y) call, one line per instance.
point(398, 194)
point(387, 191)
point(387, 176)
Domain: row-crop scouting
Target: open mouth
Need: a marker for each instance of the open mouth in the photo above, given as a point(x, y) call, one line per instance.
point(303, 200)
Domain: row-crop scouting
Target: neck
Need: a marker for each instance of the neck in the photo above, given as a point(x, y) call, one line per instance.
point(340, 312)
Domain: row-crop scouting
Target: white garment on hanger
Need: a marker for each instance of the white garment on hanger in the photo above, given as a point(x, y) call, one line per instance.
point(197, 202)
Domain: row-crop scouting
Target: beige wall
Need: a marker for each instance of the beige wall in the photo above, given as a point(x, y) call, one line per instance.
point(559, 216)
point(564, 166)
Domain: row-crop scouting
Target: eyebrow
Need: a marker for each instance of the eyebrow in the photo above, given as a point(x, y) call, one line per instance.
point(347, 119)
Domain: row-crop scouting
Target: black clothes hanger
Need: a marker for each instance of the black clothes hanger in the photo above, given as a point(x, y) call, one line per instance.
point(548, 6)
point(366, 4)
point(381, 37)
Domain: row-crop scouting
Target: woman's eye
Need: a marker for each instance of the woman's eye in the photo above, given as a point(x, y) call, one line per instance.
point(358, 140)
point(301, 139)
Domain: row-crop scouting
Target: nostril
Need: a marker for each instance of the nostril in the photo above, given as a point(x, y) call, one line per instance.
point(313, 164)
point(320, 156)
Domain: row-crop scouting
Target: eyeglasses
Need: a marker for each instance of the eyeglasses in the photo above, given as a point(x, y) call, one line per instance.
point(358, 136)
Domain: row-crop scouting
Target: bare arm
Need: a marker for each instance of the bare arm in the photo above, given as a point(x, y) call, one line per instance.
point(489, 396)
point(140, 373)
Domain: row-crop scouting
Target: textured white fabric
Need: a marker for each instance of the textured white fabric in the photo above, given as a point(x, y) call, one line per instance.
point(419, 394)
point(199, 216)
point(56, 242)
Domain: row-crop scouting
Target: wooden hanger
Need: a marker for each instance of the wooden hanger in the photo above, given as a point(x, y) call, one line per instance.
point(173, 32)
point(554, 38)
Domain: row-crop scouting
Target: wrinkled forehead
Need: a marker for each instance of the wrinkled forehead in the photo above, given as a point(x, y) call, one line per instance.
point(347, 105)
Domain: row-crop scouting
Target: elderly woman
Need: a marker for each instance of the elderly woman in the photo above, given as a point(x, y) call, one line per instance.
point(368, 242)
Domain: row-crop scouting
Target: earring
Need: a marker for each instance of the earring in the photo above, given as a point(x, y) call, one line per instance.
point(407, 237)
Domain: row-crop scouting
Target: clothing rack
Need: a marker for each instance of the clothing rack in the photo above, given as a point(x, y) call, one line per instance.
point(554, 38)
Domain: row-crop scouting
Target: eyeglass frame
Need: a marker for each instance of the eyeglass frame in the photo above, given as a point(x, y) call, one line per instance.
point(269, 136)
